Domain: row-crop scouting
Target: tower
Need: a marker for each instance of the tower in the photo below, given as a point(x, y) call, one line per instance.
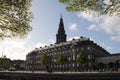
point(61, 36)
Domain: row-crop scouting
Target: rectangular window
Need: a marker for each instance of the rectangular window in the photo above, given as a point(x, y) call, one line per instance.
point(69, 58)
point(73, 57)
point(89, 57)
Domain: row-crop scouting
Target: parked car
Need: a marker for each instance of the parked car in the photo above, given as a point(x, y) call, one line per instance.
point(11, 69)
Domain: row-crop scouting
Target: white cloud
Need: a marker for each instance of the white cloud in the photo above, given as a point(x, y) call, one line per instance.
point(52, 41)
point(108, 24)
point(38, 45)
point(115, 38)
point(93, 40)
point(71, 38)
point(72, 26)
point(90, 17)
point(92, 27)
point(105, 46)
point(14, 49)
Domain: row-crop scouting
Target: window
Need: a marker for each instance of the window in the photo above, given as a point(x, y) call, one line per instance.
point(69, 65)
point(89, 57)
point(89, 64)
point(88, 48)
point(65, 65)
point(82, 48)
point(73, 65)
point(65, 51)
point(77, 49)
point(69, 58)
point(77, 64)
point(60, 66)
point(69, 51)
point(73, 57)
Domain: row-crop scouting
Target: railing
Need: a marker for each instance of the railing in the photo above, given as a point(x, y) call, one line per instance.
point(37, 75)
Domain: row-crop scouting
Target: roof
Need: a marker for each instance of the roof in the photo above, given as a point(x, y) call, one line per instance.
point(71, 42)
point(68, 44)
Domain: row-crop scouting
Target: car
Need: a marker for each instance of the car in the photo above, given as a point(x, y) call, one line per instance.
point(11, 69)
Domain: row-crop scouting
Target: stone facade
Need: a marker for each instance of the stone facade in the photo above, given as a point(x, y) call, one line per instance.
point(70, 50)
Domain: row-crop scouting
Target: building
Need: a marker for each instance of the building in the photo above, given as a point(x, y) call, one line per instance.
point(8, 64)
point(70, 50)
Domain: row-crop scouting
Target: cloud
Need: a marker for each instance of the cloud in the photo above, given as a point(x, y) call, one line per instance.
point(90, 17)
point(92, 27)
point(105, 46)
point(109, 24)
point(17, 49)
point(72, 26)
point(115, 38)
point(52, 41)
point(14, 49)
point(38, 45)
point(75, 37)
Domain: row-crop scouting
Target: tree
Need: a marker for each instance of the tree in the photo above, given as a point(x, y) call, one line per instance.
point(110, 7)
point(4, 61)
point(82, 59)
point(44, 59)
point(61, 59)
point(15, 18)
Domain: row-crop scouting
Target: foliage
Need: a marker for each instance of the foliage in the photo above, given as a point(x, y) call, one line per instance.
point(15, 18)
point(82, 59)
point(4, 62)
point(44, 59)
point(61, 59)
point(110, 7)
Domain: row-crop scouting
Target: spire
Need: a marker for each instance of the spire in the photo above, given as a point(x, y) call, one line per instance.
point(61, 25)
point(61, 36)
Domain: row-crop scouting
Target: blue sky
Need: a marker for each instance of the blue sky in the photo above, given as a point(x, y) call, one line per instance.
point(104, 30)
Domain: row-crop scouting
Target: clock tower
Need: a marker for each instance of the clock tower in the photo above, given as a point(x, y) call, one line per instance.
point(61, 36)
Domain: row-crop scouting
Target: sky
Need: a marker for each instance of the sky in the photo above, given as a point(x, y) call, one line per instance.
point(103, 30)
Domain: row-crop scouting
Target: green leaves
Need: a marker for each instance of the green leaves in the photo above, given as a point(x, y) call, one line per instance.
point(110, 7)
point(61, 59)
point(82, 59)
point(4, 62)
point(44, 59)
point(15, 18)
point(64, 1)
